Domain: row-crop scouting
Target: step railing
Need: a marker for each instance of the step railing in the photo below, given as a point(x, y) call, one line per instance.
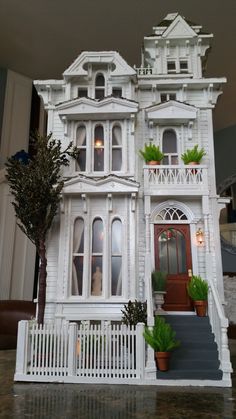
point(219, 324)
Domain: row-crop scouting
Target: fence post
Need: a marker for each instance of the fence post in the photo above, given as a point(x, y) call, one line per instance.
point(72, 345)
point(140, 350)
point(22, 349)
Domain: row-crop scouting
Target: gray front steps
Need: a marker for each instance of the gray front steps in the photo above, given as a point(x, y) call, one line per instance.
point(197, 356)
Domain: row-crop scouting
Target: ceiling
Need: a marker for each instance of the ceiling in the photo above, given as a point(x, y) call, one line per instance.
point(41, 38)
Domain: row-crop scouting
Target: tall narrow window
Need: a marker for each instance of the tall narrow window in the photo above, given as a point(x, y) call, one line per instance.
point(97, 256)
point(116, 257)
point(169, 147)
point(116, 148)
point(99, 149)
point(78, 257)
point(99, 87)
point(81, 144)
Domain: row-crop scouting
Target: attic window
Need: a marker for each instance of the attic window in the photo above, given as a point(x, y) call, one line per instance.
point(117, 92)
point(82, 92)
point(171, 67)
point(183, 66)
point(167, 96)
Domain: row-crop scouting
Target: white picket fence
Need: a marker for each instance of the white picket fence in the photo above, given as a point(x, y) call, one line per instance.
point(72, 353)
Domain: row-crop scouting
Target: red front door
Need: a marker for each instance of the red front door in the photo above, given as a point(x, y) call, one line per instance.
point(173, 256)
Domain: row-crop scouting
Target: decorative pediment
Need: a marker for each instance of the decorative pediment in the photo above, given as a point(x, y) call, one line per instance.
point(179, 28)
point(118, 65)
point(109, 184)
point(110, 107)
point(171, 112)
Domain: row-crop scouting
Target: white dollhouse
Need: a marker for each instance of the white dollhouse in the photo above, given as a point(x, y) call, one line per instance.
point(119, 218)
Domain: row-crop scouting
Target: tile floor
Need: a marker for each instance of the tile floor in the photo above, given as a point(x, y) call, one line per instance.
point(70, 401)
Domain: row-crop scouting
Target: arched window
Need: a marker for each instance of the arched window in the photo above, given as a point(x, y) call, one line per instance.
point(116, 148)
point(78, 257)
point(81, 144)
point(99, 86)
point(169, 147)
point(116, 257)
point(97, 257)
point(99, 149)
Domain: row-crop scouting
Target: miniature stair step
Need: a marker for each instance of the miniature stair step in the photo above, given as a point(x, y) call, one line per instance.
point(189, 375)
point(197, 356)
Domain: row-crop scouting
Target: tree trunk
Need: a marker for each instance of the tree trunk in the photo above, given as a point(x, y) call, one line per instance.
point(42, 281)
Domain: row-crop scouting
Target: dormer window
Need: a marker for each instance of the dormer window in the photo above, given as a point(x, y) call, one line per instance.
point(99, 86)
point(183, 66)
point(82, 92)
point(117, 92)
point(171, 67)
point(168, 96)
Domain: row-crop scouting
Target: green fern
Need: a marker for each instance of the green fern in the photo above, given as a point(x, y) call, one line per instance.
point(151, 152)
point(161, 337)
point(193, 155)
point(197, 288)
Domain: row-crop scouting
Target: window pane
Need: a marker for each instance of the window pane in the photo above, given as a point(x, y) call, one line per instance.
point(96, 279)
point(97, 245)
point(116, 281)
point(99, 93)
point(81, 142)
point(98, 148)
point(172, 252)
point(99, 160)
point(77, 281)
point(172, 96)
point(81, 161)
point(81, 136)
point(163, 97)
point(117, 92)
point(171, 66)
point(116, 159)
point(82, 92)
point(78, 246)
point(116, 237)
point(100, 81)
point(169, 142)
point(116, 135)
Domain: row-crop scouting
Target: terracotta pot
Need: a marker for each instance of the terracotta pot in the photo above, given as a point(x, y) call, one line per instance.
point(162, 359)
point(201, 307)
point(193, 163)
point(153, 163)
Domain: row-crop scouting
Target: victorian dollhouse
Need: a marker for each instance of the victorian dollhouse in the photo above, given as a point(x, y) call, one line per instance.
point(119, 217)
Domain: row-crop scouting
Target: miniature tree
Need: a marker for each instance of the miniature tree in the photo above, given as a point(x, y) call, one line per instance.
point(35, 181)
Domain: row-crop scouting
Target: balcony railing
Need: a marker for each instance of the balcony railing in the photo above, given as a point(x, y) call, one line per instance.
point(177, 180)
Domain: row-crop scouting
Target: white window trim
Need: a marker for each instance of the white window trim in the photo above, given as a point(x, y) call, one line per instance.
point(176, 130)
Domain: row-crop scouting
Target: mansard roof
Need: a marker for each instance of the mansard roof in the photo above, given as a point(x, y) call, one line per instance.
point(171, 111)
point(79, 67)
point(108, 107)
point(108, 184)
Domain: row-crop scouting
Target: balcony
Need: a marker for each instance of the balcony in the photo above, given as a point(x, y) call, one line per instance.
point(176, 180)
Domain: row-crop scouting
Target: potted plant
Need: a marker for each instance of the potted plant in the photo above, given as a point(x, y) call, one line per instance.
point(158, 289)
point(134, 312)
point(193, 156)
point(151, 154)
point(161, 337)
point(198, 291)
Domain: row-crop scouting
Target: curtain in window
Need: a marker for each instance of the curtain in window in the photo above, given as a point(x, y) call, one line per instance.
point(78, 257)
point(116, 148)
point(81, 144)
point(116, 258)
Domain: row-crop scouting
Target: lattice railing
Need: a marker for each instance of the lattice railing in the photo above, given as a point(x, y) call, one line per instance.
point(175, 176)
